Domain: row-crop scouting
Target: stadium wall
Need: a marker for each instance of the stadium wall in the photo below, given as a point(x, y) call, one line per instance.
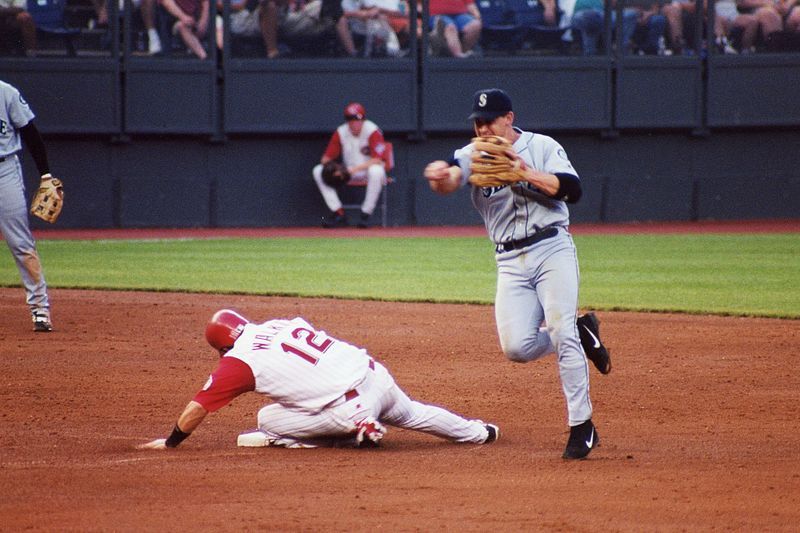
point(176, 143)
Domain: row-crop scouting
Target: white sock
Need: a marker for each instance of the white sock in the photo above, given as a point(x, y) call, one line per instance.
point(154, 40)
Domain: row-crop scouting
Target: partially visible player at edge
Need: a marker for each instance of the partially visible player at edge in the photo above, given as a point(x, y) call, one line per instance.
point(537, 265)
point(16, 127)
point(326, 392)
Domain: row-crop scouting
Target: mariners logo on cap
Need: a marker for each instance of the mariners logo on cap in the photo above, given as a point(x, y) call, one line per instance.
point(489, 104)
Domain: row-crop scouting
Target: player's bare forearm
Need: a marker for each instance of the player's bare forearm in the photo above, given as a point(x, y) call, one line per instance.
point(190, 418)
point(442, 177)
point(547, 183)
point(192, 415)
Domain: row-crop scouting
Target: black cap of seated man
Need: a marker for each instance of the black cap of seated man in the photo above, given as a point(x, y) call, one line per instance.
point(488, 104)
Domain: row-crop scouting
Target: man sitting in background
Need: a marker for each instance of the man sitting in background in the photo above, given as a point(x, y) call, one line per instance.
point(359, 146)
point(456, 24)
point(17, 27)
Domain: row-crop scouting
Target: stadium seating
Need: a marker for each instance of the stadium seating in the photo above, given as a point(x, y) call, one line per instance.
point(48, 15)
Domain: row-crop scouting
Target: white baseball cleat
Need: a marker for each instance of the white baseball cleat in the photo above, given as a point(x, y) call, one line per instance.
point(259, 439)
point(253, 439)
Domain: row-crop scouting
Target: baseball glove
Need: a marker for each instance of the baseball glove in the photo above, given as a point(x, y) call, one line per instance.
point(495, 163)
point(335, 174)
point(49, 199)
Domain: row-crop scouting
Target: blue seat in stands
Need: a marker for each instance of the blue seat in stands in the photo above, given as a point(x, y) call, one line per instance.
point(528, 14)
point(499, 30)
point(48, 16)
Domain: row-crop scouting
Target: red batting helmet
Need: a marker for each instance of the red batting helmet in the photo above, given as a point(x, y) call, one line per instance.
point(354, 111)
point(224, 328)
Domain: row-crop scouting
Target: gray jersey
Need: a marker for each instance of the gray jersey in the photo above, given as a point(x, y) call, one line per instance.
point(14, 114)
point(517, 211)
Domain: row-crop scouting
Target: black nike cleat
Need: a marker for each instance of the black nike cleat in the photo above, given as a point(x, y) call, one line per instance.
point(589, 330)
point(582, 439)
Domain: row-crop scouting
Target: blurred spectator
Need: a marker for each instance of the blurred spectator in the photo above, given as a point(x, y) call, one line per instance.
point(540, 13)
point(101, 11)
point(588, 18)
point(456, 26)
point(359, 145)
point(399, 16)
point(17, 29)
point(681, 24)
point(147, 12)
point(758, 23)
point(245, 20)
point(650, 26)
point(189, 19)
point(726, 19)
point(768, 13)
point(545, 23)
point(793, 17)
point(304, 25)
point(678, 13)
point(370, 23)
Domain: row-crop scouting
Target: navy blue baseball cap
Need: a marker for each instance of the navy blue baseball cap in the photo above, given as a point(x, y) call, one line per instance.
point(489, 104)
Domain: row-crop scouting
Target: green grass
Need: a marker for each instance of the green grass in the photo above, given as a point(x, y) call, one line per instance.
point(749, 275)
point(755, 275)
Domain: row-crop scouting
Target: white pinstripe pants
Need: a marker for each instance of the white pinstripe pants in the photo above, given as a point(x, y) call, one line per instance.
point(379, 397)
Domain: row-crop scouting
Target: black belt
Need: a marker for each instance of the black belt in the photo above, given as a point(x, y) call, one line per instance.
point(3, 158)
point(546, 233)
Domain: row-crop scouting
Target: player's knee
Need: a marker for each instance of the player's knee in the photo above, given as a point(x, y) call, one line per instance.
point(561, 332)
point(519, 349)
point(473, 27)
point(376, 173)
point(316, 172)
point(516, 356)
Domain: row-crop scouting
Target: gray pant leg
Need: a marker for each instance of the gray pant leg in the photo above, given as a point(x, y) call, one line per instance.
point(16, 231)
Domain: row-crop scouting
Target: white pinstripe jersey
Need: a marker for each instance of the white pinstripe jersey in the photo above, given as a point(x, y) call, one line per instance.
point(14, 114)
point(298, 366)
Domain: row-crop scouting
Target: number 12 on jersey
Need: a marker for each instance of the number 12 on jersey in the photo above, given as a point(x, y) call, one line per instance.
point(314, 345)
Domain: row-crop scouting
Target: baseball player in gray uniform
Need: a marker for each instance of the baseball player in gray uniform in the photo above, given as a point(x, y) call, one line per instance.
point(16, 127)
point(537, 266)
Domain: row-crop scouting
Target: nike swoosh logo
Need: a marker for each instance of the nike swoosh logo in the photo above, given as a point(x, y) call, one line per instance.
point(596, 340)
point(591, 440)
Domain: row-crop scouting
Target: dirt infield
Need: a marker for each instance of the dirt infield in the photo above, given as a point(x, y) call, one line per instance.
point(697, 420)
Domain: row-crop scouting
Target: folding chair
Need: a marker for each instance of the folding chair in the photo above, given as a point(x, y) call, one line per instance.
point(48, 16)
point(383, 202)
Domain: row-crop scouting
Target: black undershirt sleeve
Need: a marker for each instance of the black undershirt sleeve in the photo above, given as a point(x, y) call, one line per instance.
point(569, 188)
point(35, 145)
